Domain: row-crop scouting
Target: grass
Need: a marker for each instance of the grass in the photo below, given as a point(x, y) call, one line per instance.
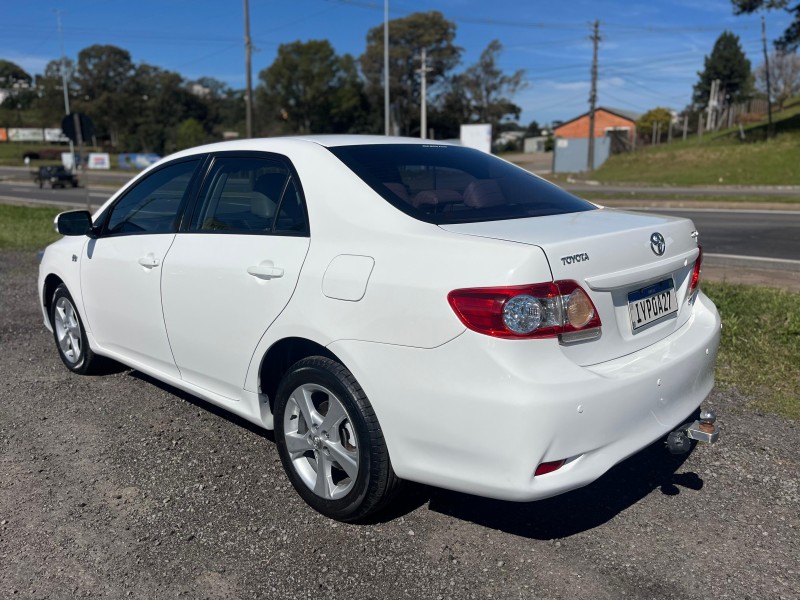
point(26, 228)
point(760, 350)
point(719, 158)
point(759, 354)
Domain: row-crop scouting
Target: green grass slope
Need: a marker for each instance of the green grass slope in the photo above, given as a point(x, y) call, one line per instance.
point(719, 158)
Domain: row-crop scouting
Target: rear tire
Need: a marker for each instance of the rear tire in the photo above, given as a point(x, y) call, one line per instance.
point(70, 335)
point(330, 443)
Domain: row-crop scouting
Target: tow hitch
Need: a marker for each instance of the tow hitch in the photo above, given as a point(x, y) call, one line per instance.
point(704, 430)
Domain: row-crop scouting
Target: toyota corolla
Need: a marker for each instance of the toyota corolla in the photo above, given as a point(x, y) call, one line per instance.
point(394, 310)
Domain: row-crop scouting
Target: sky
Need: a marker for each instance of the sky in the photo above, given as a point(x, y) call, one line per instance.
point(649, 54)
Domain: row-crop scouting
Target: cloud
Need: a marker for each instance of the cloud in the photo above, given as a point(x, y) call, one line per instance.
point(568, 86)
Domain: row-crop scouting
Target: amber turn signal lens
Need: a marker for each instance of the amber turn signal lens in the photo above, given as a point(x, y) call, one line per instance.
point(580, 309)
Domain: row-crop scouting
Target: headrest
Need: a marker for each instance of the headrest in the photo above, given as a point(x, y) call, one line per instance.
point(436, 198)
point(261, 205)
point(483, 193)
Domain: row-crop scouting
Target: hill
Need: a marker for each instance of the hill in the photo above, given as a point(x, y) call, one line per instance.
point(721, 157)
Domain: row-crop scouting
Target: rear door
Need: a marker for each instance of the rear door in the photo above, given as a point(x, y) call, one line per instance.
point(232, 271)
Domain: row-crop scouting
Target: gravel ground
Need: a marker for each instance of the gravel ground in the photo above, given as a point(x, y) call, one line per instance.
point(119, 486)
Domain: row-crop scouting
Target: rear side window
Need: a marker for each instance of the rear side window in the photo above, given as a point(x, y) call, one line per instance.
point(249, 195)
point(450, 184)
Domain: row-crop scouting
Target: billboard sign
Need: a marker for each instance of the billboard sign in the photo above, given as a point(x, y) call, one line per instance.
point(55, 135)
point(137, 161)
point(25, 134)
point(99, 160)
point(477, 136)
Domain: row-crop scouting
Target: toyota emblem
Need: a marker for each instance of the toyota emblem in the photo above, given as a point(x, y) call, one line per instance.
point(657, 244)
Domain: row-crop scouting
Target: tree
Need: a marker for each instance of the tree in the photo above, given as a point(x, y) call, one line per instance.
point(162, 101)
point(408, 36)
point(311, 89)
point(12, 75)
point(790, 40)
point(49, 86)
point(784, 77)
point(533, 129)
point(189, 133)
point(654, 119)
point(729, 64)
point(104, 76)
point(489, 91)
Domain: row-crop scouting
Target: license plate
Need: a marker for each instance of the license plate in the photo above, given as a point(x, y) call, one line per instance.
point(652, 303)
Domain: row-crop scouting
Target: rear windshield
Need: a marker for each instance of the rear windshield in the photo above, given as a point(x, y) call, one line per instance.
point(449, 184)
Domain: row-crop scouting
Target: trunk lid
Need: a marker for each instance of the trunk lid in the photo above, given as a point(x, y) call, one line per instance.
point(613, 255)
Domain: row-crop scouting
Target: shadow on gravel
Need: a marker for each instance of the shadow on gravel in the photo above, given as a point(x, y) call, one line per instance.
point(559, 517)
point(206, 406)
point(583, 509)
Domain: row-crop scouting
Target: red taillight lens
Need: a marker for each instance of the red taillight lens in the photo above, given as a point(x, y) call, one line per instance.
point(526, 311)
point(549, 467)
point(695, 283)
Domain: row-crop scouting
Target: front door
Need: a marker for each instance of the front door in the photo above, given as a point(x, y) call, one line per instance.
point(121, 270)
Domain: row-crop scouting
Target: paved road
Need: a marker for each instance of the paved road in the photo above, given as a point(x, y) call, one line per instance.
point(764, 234)
point(771, 235)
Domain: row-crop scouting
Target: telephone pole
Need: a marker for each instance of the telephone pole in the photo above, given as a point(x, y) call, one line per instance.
point(593, 94)
point(423, 117)
point(770, 126)
point(386, 128)
point(64, 85)
point(248, 49)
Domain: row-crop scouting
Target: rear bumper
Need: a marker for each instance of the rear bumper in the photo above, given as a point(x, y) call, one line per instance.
point(480, 414)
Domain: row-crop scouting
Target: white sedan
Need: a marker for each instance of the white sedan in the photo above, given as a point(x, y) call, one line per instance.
point(395, 310)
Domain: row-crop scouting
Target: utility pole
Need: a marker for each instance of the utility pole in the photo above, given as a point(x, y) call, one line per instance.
point(386, 128)
point(712, 105)
point(248, 50)
point(64, 84)
point(593, 94)
point(770, 126)
point(423, 117)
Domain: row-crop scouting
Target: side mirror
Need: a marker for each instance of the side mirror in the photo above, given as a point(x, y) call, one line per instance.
point(74, 222)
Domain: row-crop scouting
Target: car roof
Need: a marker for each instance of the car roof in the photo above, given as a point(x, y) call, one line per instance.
point(276, 144)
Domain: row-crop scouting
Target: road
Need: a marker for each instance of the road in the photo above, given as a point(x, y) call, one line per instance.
point(741, 234)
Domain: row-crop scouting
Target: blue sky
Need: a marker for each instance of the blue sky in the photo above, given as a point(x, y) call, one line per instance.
point(649, 56)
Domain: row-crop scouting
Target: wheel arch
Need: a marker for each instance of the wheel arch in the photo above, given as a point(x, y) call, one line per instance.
point(282, 355)
point(51, 282)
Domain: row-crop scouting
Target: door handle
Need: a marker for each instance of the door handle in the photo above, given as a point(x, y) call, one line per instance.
point(265, 271)
point(148, 261)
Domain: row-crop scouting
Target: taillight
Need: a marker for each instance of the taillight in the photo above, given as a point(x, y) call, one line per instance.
point(541, 310)
point(695, 283)
point(548, 467)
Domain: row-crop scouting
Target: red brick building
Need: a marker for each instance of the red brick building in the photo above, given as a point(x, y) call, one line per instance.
point(605, 120)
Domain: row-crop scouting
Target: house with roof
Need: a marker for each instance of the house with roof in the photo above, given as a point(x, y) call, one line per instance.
point(614, 131)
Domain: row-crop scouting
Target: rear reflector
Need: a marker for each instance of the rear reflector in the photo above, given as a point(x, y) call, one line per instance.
point(698, 265)
point(549, 467)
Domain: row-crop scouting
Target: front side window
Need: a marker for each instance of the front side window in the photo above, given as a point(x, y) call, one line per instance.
point(153, 204)
point(449, 184)
point(249, 195)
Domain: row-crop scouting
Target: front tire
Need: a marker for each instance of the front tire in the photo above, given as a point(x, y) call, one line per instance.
point(70, 335)
point(330, 443)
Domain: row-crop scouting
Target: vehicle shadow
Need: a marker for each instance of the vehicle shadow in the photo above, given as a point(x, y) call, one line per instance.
point(206, 406)
point(554, 518)
point(580, 510)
